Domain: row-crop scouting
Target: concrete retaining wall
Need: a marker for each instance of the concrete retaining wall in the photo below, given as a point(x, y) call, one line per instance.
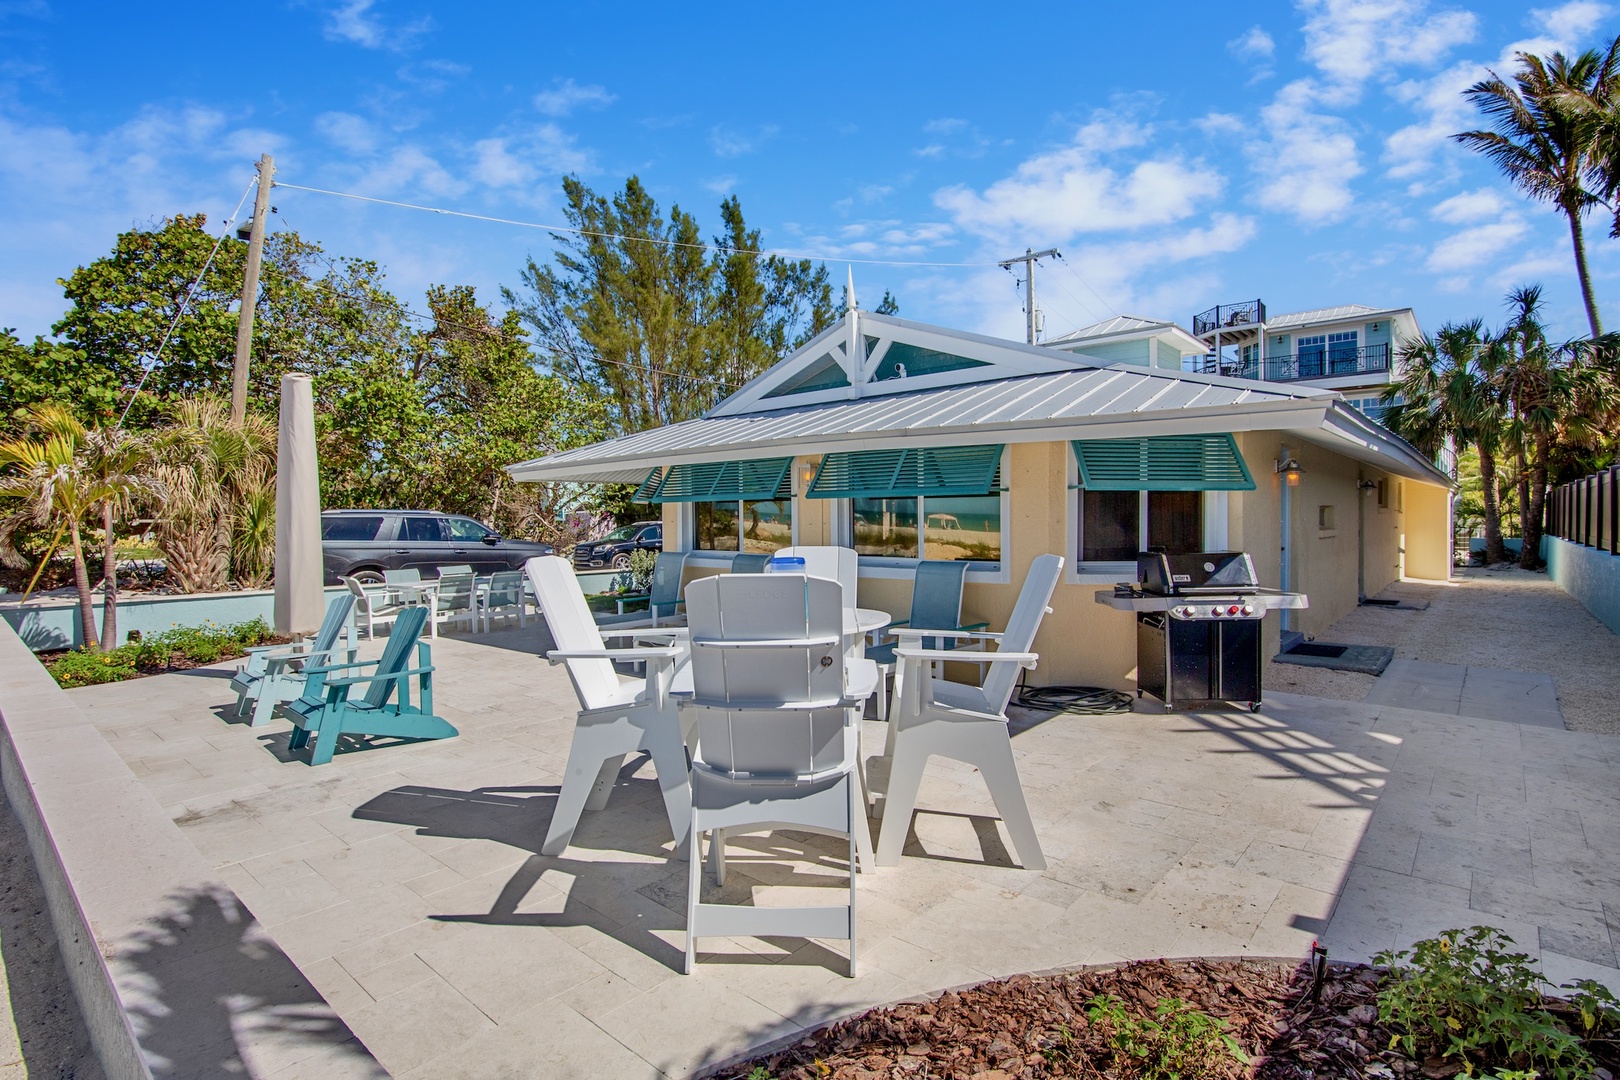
point(174, 976)
point(1589, 575)
point(47, 624)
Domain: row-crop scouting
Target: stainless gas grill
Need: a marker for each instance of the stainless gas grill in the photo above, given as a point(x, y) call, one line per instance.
point(1198, 625)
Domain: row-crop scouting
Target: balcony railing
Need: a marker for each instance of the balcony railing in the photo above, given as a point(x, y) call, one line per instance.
point(1229, 316)
point(1325, 363)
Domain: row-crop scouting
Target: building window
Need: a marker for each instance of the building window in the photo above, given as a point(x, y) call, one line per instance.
point(946, 527)
point(1116, 525)
point(756, 525)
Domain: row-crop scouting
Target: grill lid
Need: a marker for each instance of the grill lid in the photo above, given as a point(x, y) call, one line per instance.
point(1196, 573)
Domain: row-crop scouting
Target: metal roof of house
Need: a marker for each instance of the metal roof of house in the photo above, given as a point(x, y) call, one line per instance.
point(1328, 314)
point(1119, 324)
point(1073, 398)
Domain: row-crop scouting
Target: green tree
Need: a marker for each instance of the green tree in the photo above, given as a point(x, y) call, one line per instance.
point(636, 310)
point(1546, 143)
point(45, 484)
point(1445, 400)
point(119, 464)
point(47, 371)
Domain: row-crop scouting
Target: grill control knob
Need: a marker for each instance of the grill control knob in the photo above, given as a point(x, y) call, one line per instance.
point(1233, 610)
point(1215, 611)
point(1248, 609)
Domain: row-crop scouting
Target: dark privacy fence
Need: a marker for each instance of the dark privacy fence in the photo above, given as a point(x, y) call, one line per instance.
point(1587, 512)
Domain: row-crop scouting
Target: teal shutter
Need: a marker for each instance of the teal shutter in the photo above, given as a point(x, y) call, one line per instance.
point(649, 487)
point(903, 472)
point(723, 481)
point(1163, 463)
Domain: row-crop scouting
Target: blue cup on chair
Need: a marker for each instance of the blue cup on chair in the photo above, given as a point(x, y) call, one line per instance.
point(786, 564)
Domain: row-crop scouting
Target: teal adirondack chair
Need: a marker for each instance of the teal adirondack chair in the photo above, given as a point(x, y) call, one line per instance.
point(275, 673)
point(326, 710)
point(936, 604)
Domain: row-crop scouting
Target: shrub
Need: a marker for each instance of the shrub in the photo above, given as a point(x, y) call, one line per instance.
point(1465, 996)
point(197, 644)
point(642, 564)
point(1177, 1043)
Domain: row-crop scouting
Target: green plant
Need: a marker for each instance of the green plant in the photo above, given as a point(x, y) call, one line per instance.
point(1464, 995)
point(87, 667)
point(1598, 1006)
point(642, 564)
point(144, 656)
point(1177, 1043)
point(760, 1072)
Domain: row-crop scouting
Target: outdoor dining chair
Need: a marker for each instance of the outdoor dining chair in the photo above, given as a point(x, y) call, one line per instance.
point(778, 740)
point(275, 673)
point(936, 602)
point(965, 723)
point(397, 596)
point(374, 608)
point(618, 715)
point(456, 601)
point(750, 563)
point(327, 707)
point(663, 596)
point(454, 570)
point(505, 595)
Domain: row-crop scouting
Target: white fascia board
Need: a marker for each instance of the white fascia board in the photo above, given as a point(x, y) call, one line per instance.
point(1346, 431)
point(746, 397)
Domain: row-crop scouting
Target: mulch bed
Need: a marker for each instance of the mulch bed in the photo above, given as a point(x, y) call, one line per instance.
point(1035, 1027)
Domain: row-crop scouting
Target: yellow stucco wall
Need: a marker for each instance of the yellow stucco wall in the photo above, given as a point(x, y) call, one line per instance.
point(1083, 642)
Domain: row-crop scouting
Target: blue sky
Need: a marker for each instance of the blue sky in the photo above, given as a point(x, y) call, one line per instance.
point(1179, 155)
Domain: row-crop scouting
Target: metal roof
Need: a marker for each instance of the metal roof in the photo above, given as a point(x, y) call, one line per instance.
point(1081, 400)
point(1119, 324)
point(1328, 314)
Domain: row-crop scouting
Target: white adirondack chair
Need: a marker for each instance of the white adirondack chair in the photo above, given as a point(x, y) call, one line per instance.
point(618, 715)
point(778, 738)
point(841, 564)
point(965, 723)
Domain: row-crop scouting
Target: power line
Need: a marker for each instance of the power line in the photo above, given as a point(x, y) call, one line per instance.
point(1110, 307)
point(185, 305)
point(594, 234)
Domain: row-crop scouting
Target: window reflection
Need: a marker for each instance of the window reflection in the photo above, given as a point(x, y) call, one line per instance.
point(886, 527)
point(767, 525)
point(716, 526)
point(959, 527)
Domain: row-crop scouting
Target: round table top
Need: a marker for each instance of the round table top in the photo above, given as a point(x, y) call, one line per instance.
point(867, 620)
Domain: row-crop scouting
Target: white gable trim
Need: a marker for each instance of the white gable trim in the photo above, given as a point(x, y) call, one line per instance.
point(1002, 360)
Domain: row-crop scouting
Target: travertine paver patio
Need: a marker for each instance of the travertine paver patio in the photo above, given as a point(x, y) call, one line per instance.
point(403, 879)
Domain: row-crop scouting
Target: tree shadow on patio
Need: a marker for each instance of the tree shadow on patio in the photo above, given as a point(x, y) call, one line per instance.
point(210, 995)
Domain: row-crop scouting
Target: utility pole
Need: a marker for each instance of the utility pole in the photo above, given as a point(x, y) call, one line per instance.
point(250, 291)
point(1029, 259)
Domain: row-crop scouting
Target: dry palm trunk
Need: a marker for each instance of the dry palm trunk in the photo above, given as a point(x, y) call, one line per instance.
point(109, 581)
point(191, 556)
point(81, 581)
point(1494, 551)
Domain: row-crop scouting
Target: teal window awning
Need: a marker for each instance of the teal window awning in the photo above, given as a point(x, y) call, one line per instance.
point(902, 472)
point(649, 487)
point(723, 481)
point(1163, 463)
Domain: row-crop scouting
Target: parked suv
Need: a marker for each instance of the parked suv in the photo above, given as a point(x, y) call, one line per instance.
point(614, 549)
point(364, 543)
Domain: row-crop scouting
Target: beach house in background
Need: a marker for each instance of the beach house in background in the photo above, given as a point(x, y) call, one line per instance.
point(907, 441)
point(1350, 348)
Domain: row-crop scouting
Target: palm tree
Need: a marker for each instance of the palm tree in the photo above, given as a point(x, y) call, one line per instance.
point(45, 484)
point(209, 467)
point(1444, 400)
point(1544, 142)
point(120, 464)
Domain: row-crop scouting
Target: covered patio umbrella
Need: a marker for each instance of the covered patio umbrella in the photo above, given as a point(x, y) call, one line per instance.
point(299, 595)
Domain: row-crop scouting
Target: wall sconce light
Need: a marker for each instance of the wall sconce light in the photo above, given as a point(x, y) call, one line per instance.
point(1290, 469)
point(807, 473)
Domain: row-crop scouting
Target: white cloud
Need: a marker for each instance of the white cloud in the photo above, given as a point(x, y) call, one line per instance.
point(567, 95)
point(1309, 160)
point(1570, 22)
point(347, 132)
point(721, 185)
point(1072, 191)
point(729, 142)
point(1354, 41)
point(949, 125)
point(355, 21)
point(495, 165)
point(1477, 246)
point(1470, 206)
point(1251, 44)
